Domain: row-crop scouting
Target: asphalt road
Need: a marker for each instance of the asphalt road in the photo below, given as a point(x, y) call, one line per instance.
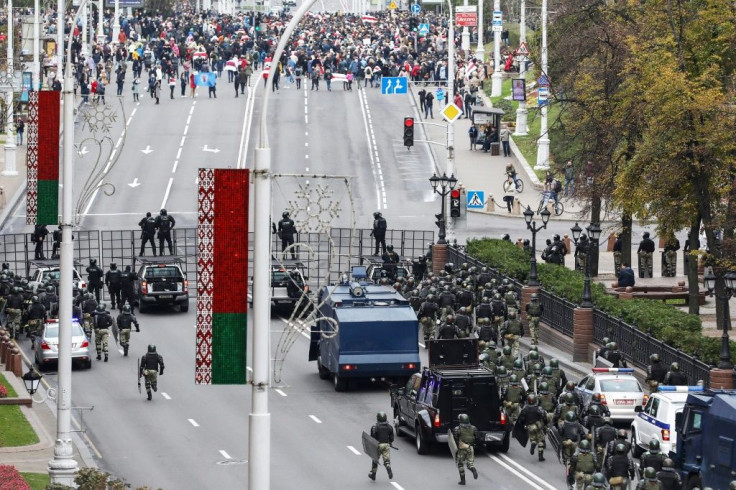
point(193, 437)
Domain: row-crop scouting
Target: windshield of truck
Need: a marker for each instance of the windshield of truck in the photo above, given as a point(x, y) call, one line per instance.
point(378, 337)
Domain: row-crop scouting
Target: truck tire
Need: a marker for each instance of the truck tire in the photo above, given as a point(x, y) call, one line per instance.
point(341, 384)
point(504, 446)
point(424, 446)
point(324, 373)
point(693, 481)
point(142, 308)
point(636, 450)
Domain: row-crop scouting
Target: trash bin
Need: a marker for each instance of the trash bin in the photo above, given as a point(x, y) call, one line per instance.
point(495, 150)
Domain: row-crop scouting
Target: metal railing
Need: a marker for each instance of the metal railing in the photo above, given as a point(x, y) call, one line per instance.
point(557, 313)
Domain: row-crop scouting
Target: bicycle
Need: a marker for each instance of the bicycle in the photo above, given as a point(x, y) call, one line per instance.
point(559, 208)
point(518, 184)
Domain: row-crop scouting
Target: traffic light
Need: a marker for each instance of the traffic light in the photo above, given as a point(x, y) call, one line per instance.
point(455, 203)
point(408, 131)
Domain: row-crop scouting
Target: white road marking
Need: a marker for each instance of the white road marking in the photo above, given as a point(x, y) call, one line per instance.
point(225, 454)
point(189, 119)
point(168, 189)
point(129, 119)
point(186, 129)
point(355, 451)
point(519, 475)
point(375, 165)
point(521, 468)
point(178, 153)
point(306, 133)
point(318, 421)
point(121, 352)
point(306, 156)
point(307, 169)
point(183, 138)
point(280, 392)
point(166, 395)
point(191, 421)
point(306, 119)
point(306, 143)
point(397, 486)
point(133, 112)
point(176, 164)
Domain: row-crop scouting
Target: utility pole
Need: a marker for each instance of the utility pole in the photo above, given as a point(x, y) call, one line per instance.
point(36, 78)
point(10, 148)
point(100, 23)
point(450, 97)
point(543, 142)
point(465, 39)
point(480, 52)
point(497, 77)
point(521, 112)
point(116, 24)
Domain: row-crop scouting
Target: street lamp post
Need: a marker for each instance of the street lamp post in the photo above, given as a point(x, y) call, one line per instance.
point(442, 186)
point(729, 288)
point(543, 142)
point(594, 233)
point(10, 148)
point(480, 52)
point(497, 76)
point(521, 111)
point(532, 226)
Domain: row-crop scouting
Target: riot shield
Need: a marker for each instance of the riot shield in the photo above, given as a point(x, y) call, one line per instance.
point(519, 433)
point(370, 446)
point(115, 332)
point(452, 444)
point(554, 439)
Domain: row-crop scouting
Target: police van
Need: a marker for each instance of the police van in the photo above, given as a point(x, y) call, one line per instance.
point(656, 419)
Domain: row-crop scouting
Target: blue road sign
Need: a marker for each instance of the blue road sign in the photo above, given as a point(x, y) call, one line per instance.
point(394, 85)
point(423, 29)
point(476, 199)
point(415, 8)
point(543, 81)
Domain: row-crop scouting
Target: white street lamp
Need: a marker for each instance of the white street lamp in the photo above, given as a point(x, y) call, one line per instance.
point(521, 112)
point(497, 77)
point(10, 147)
point(480, 52)
point(543, 142)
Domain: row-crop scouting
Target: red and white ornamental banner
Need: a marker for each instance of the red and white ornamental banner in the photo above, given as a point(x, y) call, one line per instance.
point(222, 270)
point(42, 194)
point(370, 19)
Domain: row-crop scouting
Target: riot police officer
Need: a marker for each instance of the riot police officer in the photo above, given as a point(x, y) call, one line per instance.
point(534, 310)
point(656, 373)
point(513, 396)
point(36, 317)
point(571, 433)
point(615, 357)
point(286, 232)
point(618, 247)
point(597, 401)
point(384, 434)
point(114, 283)
point(89, 307)
point(649, 481)
point(619, 468)
point(556, 251)
point(419, 267)
point(581, 252)
point(669, 476)
point(57, 243)
point(13, 307)
point(646, 249)
point(428, 317)
point(604, 434)
point(124, 321)
point(164, 224)
point(670, 256)
point(128, 287)
point(151, 366)
point(653, 458)
point(512, 331)
point(674, 377)
point(582, 465)
point(390, 261)
point(448, 330)
point(94, 278)
point(38, 236)
point(103, 322)
point(534, 419)
point(465, 435)
point(148, 233)
point(379, 232)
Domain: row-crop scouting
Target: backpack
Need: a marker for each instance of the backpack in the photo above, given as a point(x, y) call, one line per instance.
point(557, 186)
point(298, 71)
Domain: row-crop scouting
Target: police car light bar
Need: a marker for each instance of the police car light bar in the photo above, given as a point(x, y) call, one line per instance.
point(681, 389)
point(613, 370)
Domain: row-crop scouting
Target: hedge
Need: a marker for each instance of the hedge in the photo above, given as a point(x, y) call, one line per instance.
point(664, 322)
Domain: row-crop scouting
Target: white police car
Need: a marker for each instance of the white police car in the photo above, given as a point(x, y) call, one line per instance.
point(656, 420)
point(619, 389)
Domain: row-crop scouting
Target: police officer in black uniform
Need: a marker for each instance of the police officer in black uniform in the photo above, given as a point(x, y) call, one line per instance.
point(419, 267)
point(286, 232)
point(379, 231)
point(655, 373)
point(615, 357)
point(128, 287)
point(556, 251)
point(94, 278)
point(390, 261)
point(36, 318)
point(114, 283)
point(674, 377)
point(669, 476)
point(38, 237)
point(148, 233)
point(164, 225)
point(57, 243)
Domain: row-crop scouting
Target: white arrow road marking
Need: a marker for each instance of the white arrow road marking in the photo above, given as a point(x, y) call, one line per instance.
point(83, 151)
point(165, 395)
point(148, 150)
point(135, 183)
point(212, 150)
point(225, 454)
point(355, 451)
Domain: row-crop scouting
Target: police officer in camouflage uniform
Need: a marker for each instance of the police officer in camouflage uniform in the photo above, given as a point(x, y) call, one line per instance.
point(674, 377)
point(650, 481)
point(428, 317)
point(14, 307)
point(670, 477)
point(652, 458)
point(670, 256)
point(646, 249)
point(124, 321)
point(103, 322)
point(582, 465)
point(502, 378)
point(500, 312)
point(384, 434)
point(571, 433)
point(89, 307)
point(511, 300)
point(36, 318)
point(534, 419)
point(152, 364)
point(547, 400)
point(599, 481)
point(618, 247)
point(581, 252)
point(513, 396)
point(534, 310)
point(512, 331)
point(465, 435)
point(656, 373)
point(507, 358)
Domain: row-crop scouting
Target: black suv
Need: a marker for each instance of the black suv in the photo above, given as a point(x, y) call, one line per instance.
point(162, 282)
point(454, 383)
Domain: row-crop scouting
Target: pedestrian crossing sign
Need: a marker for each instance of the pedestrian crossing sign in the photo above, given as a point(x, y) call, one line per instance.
point(476, 199)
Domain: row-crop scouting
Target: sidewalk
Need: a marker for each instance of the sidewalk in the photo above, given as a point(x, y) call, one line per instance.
point(12, 187)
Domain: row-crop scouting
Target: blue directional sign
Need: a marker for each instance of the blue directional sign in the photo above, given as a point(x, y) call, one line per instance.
point(423, 29)
point(476, 199)
point(415, 8)
point(394, 85)
point(543, 81)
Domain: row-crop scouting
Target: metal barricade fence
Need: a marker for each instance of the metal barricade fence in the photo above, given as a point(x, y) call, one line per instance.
point(557, 313)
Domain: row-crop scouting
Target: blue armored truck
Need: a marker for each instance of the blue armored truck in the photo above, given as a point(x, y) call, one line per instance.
point(364, 331)
point(706, 439)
